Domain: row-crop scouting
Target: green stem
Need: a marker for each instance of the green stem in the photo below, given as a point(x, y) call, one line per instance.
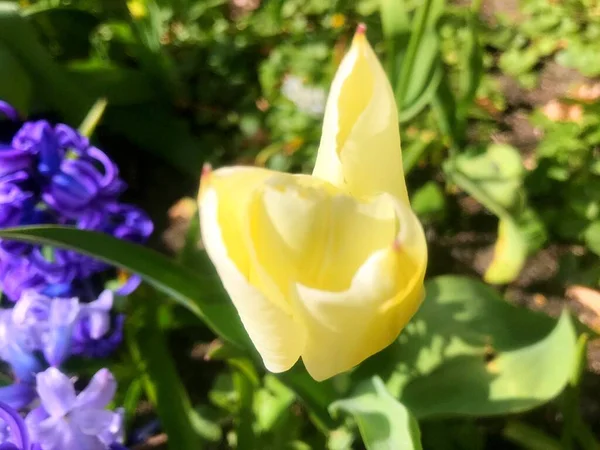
point(93, 117)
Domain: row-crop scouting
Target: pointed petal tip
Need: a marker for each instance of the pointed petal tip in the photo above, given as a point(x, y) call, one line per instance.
point(204, 178)
point(206, 169)
point(361, 29)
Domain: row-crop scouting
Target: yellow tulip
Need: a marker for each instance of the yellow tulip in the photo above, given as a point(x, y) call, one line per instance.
point(328, 268)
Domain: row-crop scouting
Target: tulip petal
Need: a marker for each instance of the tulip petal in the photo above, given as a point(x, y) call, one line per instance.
point(360, 144)
point(223, 199)
point(346, 327)
point(306, 230)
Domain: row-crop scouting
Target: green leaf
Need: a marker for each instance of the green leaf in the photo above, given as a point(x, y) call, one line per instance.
point(492, 371)
point(471, 76)
point(424, 96)
point(383, 421)
point(164, 387)
point(510, 253)
point(444, 105)
point(196, 292)
point(492, 176)
point(415, 72)
point(201, 294)
point(272, 402)
point(469, 352)
point(426, 70)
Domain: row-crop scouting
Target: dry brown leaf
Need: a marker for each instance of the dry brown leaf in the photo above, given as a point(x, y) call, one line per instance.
point(590, 299)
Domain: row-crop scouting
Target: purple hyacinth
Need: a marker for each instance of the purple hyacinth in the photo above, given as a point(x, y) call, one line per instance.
point(69, 421)
point(98, 332)
point(48, 322)
point(52, 174)
point(17, 345)
point(15, 435)
point(7, 110)
point(61, 326)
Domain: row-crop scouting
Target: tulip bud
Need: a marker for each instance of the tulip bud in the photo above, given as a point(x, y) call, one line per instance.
point(327, 267)
point(360, 143)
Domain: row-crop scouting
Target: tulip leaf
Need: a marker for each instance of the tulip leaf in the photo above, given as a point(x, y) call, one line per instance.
point(444, 105)
point(492, 176)
point(426, 67)
point(197, 292)
point(469, 352)
point(383, 421)
point(414, 64)
point(424, 97)
point(472, 55)
point(510, 253)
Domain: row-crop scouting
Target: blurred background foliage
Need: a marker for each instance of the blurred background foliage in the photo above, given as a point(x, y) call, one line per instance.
point(500, 124)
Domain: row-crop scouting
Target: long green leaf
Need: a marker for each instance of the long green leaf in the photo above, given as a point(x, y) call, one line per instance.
point(470, 78)
point(444, 105)
point(187, 288)
point(420, 20)
point(425, 96)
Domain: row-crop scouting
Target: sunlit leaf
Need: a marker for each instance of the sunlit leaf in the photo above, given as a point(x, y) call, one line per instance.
point(510, 253)
point(383, 421)
point(467, 351)
point(492, 176)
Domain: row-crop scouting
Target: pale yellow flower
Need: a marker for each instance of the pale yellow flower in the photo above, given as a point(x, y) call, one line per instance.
point(328, 268)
